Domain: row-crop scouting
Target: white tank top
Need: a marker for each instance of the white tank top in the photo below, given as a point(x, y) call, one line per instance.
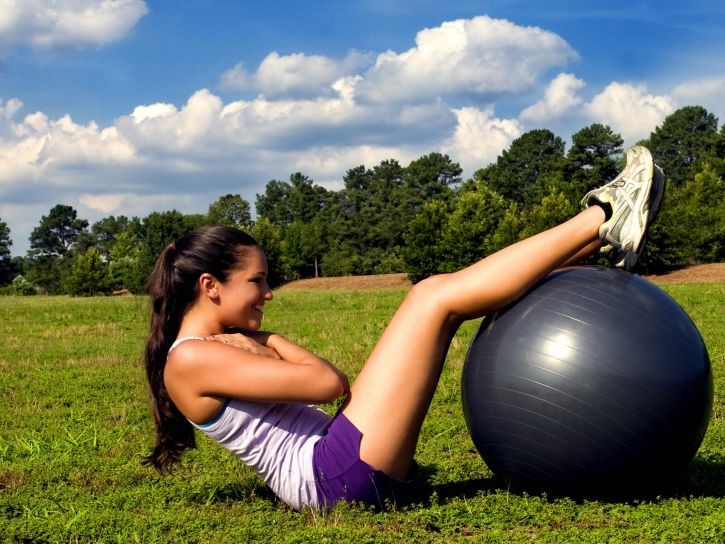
point(275, 439)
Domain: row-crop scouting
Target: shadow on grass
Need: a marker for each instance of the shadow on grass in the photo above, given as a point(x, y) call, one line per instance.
point(703, 478)
point(420, 490)
point(232, 492)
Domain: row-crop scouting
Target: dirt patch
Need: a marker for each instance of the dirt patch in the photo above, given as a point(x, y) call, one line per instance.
point(351, 283)
point(702, 273)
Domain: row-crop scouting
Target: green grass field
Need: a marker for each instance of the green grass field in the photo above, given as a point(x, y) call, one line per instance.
point(74, 423)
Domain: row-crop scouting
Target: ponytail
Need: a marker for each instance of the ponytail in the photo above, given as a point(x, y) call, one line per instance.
point(172, 288)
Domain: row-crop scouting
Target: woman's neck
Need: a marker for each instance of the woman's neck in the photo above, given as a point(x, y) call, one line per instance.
point(198, 322)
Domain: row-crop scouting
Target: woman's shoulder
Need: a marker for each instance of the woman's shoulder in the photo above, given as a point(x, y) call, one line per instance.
point(186, 351)
point(182, 339)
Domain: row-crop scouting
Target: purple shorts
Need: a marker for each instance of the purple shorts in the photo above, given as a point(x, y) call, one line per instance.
point(340, 473)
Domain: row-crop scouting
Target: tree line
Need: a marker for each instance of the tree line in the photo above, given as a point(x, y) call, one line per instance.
point(419, 219)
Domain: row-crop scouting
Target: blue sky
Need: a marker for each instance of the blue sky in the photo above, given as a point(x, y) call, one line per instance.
point(130, 106)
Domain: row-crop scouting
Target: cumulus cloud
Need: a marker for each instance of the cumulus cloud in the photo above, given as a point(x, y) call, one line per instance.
point(479, 137)
point(63, 23)
point(560, 98)
point(107, 203)
point(629, 110)
point(296, 75)
point(479, 56)
point(38, 143)
point(706, 92)
point(207, 128)
point(7, 111)
point(159, 147)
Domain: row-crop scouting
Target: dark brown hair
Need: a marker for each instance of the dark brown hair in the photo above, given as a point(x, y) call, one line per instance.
point(173, 287)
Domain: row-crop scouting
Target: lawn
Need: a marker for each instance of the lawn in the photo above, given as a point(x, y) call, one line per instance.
point(74, 423)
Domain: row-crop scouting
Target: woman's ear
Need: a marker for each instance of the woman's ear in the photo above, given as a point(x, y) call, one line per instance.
point(208, 286)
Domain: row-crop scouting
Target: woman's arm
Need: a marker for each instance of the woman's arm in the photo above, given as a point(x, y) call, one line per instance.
point(216, 369)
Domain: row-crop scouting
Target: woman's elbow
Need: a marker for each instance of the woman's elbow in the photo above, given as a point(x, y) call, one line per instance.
point(334, 386)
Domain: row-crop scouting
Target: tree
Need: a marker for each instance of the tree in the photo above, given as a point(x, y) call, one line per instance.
point(296, 264)
point(554, 209)
point(269, 237)
point(472, 223)
point(509, 229)
point(592, 159)
point(273, 203)
point(684, 138)
point(22, 286)
point(47, 273)
point(124, 266)
point(431, 177)
point(51, 246)
point(157, 231)
point(57, 232)
point(707, 214)
point(518, 171)
point(315, 241)
point(7, 267)
point(103, 233)
point(193, 221)
point(89, 274)
point(284, 203)
point(230, 210)
point(424, 252)
point(691, 225)
point(373, 209)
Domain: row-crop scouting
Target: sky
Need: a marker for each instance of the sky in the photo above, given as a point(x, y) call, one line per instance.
point(124, 107)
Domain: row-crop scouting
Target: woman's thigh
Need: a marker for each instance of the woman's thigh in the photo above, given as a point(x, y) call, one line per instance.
point(391, 395)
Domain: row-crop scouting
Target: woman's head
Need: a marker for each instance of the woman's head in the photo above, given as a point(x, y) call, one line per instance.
point(215, 250)
point(173, 287)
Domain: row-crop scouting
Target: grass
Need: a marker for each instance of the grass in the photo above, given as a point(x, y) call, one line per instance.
point(74, 423)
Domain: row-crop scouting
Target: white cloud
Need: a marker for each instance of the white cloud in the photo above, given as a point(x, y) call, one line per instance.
point(629, 110)
point(107, 203)
point(706, 92)
point(297, 75)
point(63, 23)
point(479, 137)
point(479, 56)
point(330, 162)
point(38, 144)
point(560, 98)
point(7, 111)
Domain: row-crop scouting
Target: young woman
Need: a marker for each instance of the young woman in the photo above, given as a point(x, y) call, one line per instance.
point(210, 366)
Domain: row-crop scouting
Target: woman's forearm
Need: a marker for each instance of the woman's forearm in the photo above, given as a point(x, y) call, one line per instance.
point(294, 353)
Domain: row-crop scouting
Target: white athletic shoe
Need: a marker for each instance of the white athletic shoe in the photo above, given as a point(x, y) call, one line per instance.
point(628, 196)
point(630, 258)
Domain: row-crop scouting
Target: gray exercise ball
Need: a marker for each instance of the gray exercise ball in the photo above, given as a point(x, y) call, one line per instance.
point(595, 380)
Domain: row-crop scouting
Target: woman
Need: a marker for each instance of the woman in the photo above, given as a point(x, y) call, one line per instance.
point(210, 366)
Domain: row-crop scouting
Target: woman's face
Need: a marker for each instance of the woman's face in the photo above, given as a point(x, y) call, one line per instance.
point(243, 295)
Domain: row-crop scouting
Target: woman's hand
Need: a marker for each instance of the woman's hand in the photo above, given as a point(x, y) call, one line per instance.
point(247, 343)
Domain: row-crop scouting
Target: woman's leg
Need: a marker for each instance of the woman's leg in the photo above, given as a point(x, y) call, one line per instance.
point(391, 396)
point(583, 254)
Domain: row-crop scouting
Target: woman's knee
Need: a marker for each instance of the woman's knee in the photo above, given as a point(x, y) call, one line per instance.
point(431, 294)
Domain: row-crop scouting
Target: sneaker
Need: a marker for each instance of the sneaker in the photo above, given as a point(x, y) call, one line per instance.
point(627, 198)
point(630, 258)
